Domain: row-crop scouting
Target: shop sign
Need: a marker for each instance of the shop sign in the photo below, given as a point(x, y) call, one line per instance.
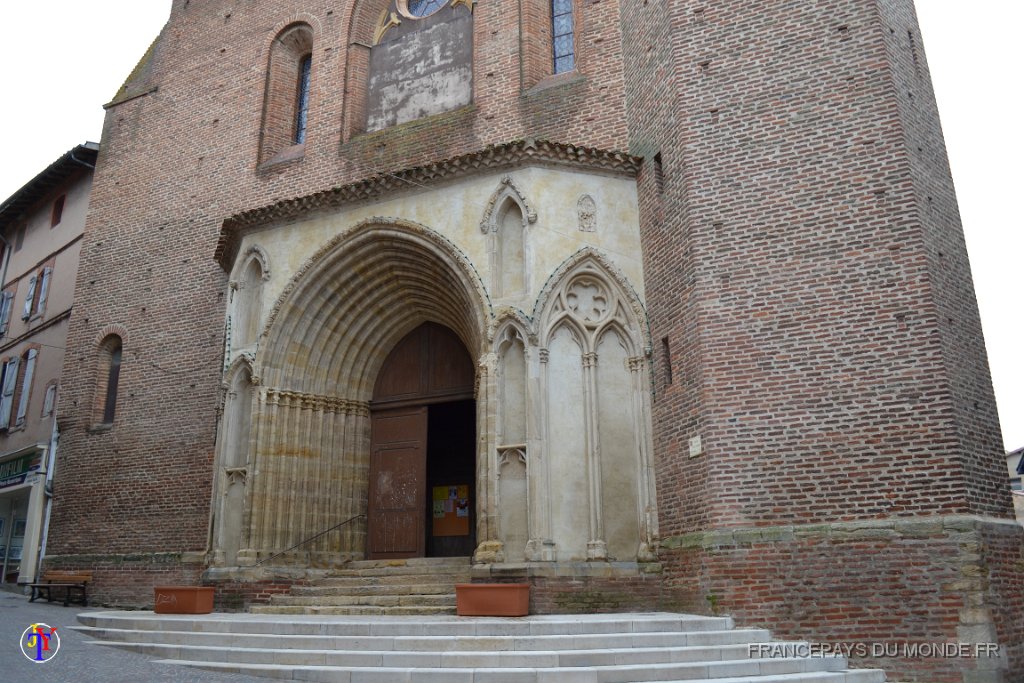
point(14, 472)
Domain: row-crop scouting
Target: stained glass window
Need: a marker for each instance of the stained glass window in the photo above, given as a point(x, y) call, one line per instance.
point(302, 111)
point(562, 35)
point(424, 8)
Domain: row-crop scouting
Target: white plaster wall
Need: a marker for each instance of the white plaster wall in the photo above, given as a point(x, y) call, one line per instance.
point(455, 210)
point(619, 459)
point(567, 449)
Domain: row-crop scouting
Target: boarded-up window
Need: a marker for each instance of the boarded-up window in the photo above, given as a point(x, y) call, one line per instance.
point(421, 68)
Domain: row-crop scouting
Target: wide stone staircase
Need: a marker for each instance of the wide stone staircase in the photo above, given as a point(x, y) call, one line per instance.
point(395, 587)
point(616, 648)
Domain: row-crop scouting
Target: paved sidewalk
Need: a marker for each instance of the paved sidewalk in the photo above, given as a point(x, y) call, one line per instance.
point(79, 659)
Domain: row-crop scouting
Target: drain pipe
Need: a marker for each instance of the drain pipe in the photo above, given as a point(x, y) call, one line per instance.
point(51, 462)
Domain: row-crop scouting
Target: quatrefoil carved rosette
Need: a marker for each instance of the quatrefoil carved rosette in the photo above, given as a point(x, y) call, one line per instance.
point(589, 300)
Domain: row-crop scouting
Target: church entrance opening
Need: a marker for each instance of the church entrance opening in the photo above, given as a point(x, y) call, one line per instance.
point(422, 479)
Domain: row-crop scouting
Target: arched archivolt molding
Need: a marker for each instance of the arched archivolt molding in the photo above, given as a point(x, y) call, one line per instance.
point(253, 253)
point(332, 327)
point(613, 300)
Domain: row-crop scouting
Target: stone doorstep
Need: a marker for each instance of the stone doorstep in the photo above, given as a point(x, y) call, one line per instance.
point(449, 578)
point(371, 600)
point(355, 610)
point(416, 565)
point(439, 643)
point(369, 589)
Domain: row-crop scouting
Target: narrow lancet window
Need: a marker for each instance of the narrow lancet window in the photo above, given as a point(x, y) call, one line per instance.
point(113, 375)
point(562, 35)
point(302, 110)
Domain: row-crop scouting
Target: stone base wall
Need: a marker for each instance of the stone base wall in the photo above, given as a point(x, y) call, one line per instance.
point(884, 586)
point(584, 587)
point(238, 588)
point(127, 580)
point(589, 595)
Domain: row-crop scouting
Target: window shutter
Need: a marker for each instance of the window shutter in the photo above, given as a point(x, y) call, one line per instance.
point(7, 398)
point(49, 403)
point(44, 288)
point(27, 313)
point(26, 386)
point(5, 311)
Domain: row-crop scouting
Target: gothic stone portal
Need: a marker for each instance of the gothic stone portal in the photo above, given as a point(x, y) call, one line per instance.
point(454, 426)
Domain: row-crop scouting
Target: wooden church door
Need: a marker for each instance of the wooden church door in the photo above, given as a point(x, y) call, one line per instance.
point(398, 474)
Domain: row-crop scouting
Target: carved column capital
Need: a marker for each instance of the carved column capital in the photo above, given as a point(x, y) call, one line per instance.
point(590, 359)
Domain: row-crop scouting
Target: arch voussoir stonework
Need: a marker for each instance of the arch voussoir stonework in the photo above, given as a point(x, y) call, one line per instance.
point(323, 345)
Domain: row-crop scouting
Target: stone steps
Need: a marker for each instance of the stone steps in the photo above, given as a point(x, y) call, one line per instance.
point(377, 587)
point(371, 600)
point(624, 648)
point(446, 643)
point(354, 610)
point(370, 587)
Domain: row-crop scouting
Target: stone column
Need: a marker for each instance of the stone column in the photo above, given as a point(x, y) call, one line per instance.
point(597, 548)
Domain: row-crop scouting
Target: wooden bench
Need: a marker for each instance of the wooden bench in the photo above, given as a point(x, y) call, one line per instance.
point(73, 583)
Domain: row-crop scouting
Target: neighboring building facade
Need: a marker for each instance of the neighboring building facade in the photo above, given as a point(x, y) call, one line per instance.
point(654, 304)
point(1015, 467)
point(41, 226)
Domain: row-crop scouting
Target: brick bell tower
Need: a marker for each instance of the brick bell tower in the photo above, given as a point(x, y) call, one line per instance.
point(829, 456)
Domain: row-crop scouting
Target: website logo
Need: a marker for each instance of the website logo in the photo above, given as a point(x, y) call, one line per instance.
point(40, 643)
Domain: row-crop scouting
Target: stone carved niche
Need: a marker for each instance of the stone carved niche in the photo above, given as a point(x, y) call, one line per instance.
point(596, 419)
point(232, 466)
point(512, 466)
point(505, 222)
point(247, 299)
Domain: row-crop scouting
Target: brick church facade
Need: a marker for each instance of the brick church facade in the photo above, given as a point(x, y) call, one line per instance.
point(661, 305)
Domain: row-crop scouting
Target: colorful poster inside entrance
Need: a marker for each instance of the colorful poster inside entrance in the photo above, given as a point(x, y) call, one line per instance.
point(451, 510)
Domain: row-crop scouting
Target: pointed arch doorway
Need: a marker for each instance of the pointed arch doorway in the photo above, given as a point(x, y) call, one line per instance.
point(422, 475)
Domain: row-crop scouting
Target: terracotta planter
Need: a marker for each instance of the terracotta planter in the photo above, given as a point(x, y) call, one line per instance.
point(492, 599)
point(182, 600)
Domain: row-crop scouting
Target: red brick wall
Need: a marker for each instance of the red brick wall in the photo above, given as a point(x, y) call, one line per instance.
point(883, 582)
point(590, 595)
point(828, 384)
point(127, 580)
point(235, 596)
point(806, 264)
